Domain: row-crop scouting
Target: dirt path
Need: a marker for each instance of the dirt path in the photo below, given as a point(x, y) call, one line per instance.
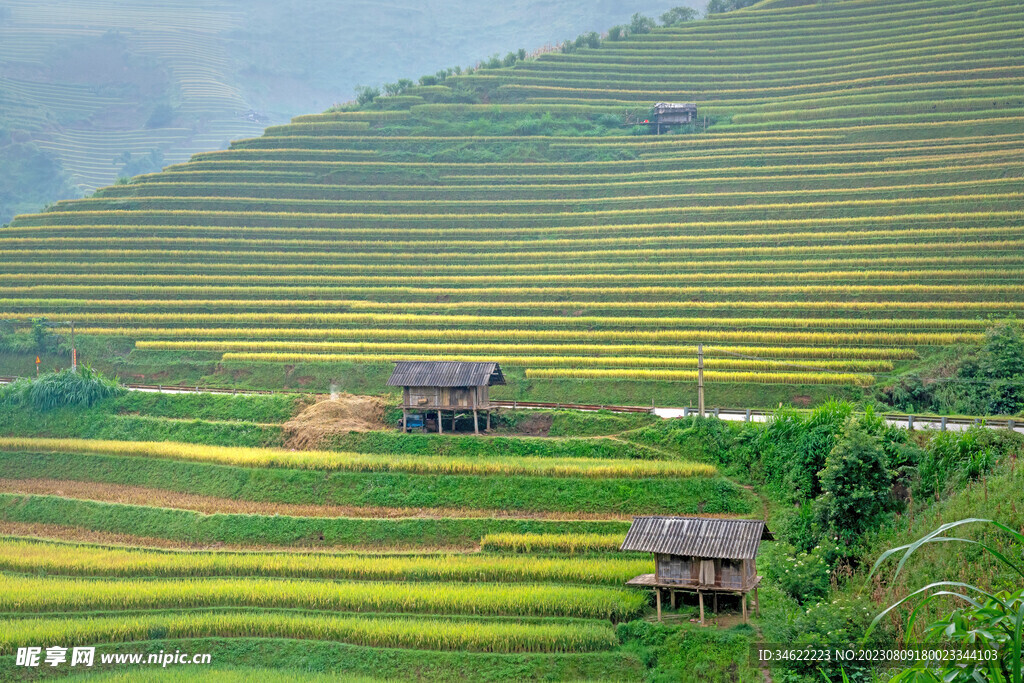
point(79, 535)
point(138, 495)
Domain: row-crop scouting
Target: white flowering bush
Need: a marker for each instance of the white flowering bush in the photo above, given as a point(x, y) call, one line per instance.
point(805, 577)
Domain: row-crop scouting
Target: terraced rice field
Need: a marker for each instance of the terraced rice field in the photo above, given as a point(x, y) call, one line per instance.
point(853, 202)
point(85, 125)
point(432, 565)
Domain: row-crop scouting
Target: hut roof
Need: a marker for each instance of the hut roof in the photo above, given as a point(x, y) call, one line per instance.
point(732, 539)
point(662, 107)
point(444, 374)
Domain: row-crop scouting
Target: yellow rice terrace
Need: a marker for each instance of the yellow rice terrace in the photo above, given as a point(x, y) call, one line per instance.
point(844, 204)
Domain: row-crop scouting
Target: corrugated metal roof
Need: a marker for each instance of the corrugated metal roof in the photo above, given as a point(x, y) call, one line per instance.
point(732, 539)
point(674, 106)
point(445, 374)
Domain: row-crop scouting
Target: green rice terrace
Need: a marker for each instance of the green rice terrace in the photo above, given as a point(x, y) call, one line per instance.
point(839, 229)
point(240, 527)
point(846, 207)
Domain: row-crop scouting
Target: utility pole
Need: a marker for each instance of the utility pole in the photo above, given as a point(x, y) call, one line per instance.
point(700, 379)
point(74, 351)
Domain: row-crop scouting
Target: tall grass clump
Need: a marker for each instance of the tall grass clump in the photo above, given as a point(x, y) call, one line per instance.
point(86, 387)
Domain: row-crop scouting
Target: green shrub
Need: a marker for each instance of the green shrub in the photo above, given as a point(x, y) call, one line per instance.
point(804, 576)
point(794, 448)
point(695, 438)
point(838, 623)
point(672, 653)
point(61, 389)
point(856, 486)
point(951, 459)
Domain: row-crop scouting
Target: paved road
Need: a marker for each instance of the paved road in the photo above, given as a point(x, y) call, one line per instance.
point(730, 414)
point(916, 422)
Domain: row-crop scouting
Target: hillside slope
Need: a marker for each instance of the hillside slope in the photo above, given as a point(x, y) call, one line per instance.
point(93, 91)
point(853, 204)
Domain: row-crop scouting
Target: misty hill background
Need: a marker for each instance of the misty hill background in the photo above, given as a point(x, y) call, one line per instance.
point(93, 90)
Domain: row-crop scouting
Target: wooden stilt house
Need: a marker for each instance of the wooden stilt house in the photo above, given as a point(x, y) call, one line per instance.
point(700, 555)
point(446, 386)
point(665, 114)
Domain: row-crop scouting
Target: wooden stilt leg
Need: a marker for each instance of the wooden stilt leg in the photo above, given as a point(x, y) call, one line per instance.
point(453, 422)
point(476, 425)
point(440, 429)
point(657, 598)
point(757, 603)
point(488, 420)
point(700, 598)
point(716, 602)
point(405, 419)
point(673, 594)
point(743, 601)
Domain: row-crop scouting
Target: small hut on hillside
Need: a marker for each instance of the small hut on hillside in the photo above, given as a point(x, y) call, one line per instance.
point(701, 555)
point(673, 113)
point(445, 386)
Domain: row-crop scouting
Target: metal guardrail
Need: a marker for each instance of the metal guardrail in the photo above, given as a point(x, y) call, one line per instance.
point(898, 418)
point(571, 406)
point(746, 413)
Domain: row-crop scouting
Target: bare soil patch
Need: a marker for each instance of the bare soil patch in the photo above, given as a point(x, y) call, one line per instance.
point(538, 424)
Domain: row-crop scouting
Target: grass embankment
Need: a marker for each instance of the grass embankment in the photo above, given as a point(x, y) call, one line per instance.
point(140, 495)
point(506, 446)
point(259, 530)
point(283, 660)
point(138, 416)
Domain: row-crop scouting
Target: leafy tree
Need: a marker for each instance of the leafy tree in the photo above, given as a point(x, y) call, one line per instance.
point(990, 380)
point(678, 15)
point(397, 88)
point(153, 162)
point(856, 485)
point(41, 334)
point(365, 94)
point(639, 24)
point(162, 116)
point(720, 6)
point(1003, 355)
point(793, 449)
point(617, 32)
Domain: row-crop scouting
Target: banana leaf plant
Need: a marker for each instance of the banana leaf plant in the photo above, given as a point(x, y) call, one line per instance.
point(986, 621)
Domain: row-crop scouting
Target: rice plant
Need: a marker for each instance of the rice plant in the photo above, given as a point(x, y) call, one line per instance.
point(62, 594)
point(420, 633)
point(561, 543)
point(596, 468)
point(29, 556)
